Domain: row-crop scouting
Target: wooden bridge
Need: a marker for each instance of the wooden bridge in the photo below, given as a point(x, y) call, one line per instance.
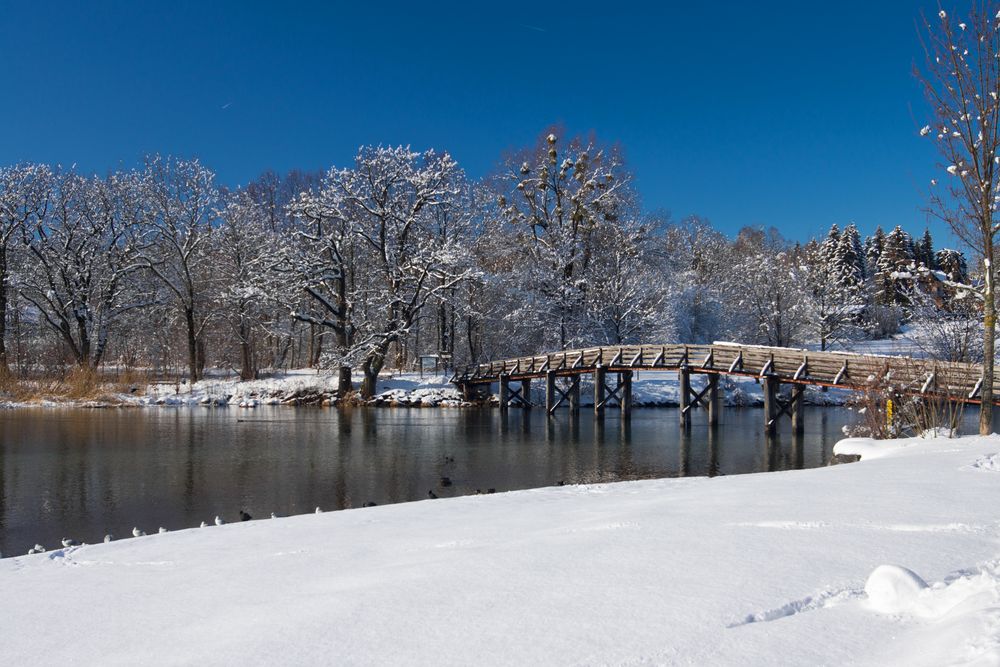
point(772, 366)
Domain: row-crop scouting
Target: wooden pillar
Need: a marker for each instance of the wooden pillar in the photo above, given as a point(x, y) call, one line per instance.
point(714, 401)
point(504, 391)
point(684, 395)
point(770, 404)
point(526, 394)
point(550, 392)
point(600, 373)
point(798, 416)
point(473, 392)
point(626, 393)
point(574, 394)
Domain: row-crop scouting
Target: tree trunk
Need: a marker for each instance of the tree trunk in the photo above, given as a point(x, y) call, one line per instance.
point(248, 371)
point(370, 381)
point(371, 367)
point(344, 383)
point(192, 345)
point(312, 345)
point(989, 340)
point(317, 352)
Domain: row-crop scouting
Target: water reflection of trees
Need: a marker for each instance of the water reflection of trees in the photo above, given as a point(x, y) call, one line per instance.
point(83, 473)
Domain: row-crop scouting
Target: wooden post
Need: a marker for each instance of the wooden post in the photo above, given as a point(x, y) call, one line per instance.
point(599, 375)
point(504, 391)
point(550, 392)
point(684, 395)
point(714, 400)
point(626, 393)
point(574, 394)
point(770, 404)
point(526, 394)
point(798, 416)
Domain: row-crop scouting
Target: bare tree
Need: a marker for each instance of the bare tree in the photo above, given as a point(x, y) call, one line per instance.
point(319, 260)
point(81, 259)
point(244, 249)
point(551, 205)
point(961, 79)
point(24, 198)
point(626, 304)
point(381, 216)
point(767, 283)
point(181, 200)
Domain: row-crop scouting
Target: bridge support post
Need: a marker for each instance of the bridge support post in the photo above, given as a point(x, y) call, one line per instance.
point(550, 392)
point(684, 395)
point(600, 373)
point(526, 394)
point(714, 402)
point(504, 392)
point(770, 385)
point(626, 393)
point(574, 394)
point(798, 418)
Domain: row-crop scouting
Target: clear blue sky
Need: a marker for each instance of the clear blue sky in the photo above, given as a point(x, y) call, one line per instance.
point(792, 114)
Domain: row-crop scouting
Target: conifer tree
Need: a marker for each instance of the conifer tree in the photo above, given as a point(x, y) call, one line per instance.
point(896, 255)
point(873, 251)
point(952, 262)
point(924, 251)
point(850, 258)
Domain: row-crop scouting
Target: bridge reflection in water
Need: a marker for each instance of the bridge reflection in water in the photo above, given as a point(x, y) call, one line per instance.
point(84, 473)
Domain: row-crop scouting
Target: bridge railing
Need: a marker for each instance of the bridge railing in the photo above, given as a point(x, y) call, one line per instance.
point(959, 381)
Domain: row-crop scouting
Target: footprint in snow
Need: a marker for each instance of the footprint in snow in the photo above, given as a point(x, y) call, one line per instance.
point(822, 600)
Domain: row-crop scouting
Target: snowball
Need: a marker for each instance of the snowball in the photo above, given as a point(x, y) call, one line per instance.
point(893, 590)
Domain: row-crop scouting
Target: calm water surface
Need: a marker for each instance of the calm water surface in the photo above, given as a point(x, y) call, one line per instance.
point(84, 473)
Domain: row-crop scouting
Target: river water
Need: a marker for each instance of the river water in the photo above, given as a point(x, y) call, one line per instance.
point(85, 473)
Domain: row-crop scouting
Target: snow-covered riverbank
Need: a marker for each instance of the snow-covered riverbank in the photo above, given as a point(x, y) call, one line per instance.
point(307, 387)
point(751, 569)
point(408, 389)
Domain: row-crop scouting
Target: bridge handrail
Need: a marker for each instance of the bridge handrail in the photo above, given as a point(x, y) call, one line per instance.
point(831, 368)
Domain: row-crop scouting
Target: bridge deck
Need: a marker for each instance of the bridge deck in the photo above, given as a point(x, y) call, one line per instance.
point(955, 381)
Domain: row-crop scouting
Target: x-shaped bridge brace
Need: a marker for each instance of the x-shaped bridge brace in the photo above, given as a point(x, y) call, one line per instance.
point(564, 395)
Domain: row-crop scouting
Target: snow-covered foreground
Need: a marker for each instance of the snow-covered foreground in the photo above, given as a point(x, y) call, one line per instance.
point(743, 570)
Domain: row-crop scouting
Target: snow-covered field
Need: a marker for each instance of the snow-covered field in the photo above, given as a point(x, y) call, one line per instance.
point(775, 568)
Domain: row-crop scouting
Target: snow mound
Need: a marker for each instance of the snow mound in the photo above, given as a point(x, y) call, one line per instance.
point(894, 590)
point(962, 616)
point(867, 448)
point(990, 462)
